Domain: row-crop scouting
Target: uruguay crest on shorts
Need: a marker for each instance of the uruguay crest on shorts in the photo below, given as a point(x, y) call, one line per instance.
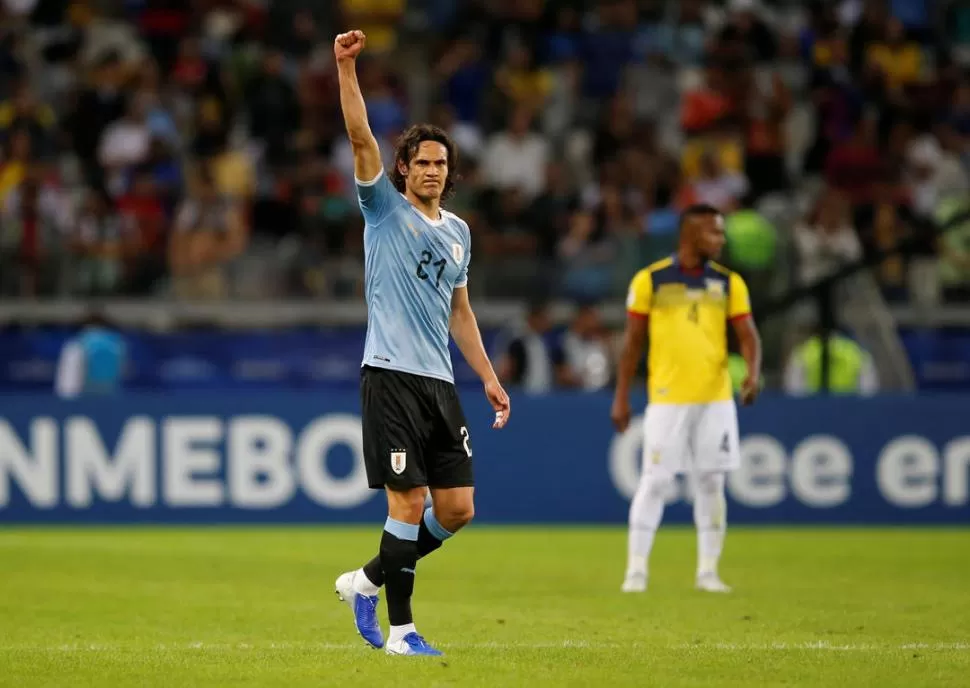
point(399, 461)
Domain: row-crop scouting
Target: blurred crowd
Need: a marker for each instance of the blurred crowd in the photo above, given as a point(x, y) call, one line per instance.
point(193, 149)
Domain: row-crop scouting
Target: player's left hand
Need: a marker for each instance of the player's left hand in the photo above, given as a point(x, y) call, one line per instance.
point(749, 390)
point(499, 399)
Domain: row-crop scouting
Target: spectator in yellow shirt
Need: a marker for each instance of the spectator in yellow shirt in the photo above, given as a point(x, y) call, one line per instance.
point(899, 60)
point(521, 83)
point(14, 161)
point(723, 141)
point(23, 111)
point(378, 19)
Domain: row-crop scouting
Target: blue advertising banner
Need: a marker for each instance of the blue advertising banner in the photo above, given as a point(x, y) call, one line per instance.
point(293, 359)
point(297, 457)
point(329, 359)
point(940, 357)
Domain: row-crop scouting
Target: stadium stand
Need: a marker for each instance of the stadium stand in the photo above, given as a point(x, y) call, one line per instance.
point(190, 155)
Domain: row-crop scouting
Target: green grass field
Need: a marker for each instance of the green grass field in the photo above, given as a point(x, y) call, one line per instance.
point(510, 607)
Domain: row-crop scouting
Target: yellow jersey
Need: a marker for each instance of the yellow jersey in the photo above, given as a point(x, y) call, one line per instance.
point(688, 310)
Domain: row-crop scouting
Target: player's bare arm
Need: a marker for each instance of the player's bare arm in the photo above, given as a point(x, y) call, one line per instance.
point(367, 154)
point(464, 330)
point(750, 343)
point(634, 341)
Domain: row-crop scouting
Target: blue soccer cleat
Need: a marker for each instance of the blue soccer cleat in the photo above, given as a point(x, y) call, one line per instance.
point(412, 644)
point(364, 608)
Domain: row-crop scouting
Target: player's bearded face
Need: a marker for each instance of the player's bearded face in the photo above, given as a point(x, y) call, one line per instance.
point(428, 171)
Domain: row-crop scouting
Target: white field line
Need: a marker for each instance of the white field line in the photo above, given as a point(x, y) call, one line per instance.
point(552, 645)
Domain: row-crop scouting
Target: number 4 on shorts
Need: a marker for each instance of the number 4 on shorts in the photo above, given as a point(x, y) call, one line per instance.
point(725, 444)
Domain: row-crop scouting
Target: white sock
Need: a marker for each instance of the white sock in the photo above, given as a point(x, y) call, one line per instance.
point(398, 632)
point(362, 584)
point(646, 511)
point(710, 517)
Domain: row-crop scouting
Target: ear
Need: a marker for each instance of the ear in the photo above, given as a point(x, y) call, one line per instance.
point(402, 168)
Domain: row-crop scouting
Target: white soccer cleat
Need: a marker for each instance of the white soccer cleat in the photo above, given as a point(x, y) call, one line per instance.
point(710, 582)
point(634, 582)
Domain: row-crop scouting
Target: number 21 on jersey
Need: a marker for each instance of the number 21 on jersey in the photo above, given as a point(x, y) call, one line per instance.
point(438, 267)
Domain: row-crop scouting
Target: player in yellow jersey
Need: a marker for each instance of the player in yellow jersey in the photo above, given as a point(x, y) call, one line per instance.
point(684, 304)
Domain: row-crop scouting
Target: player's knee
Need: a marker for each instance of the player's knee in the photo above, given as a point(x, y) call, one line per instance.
point(658, 484)
point(406, 506)
point(456, 516)
point(710, 483)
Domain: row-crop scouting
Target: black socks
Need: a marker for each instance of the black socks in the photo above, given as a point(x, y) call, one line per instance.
point(398, 557)
point(430, 537)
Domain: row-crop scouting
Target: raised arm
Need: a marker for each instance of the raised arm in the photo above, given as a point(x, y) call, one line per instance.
point(367, 154)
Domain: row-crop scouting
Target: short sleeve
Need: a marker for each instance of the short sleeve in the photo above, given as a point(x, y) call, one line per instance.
point(640, 294)
point(739, 302)
point(462, 280)
point(376, 198)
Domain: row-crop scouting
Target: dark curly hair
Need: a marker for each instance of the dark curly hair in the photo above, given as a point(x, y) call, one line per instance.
point(407, 148)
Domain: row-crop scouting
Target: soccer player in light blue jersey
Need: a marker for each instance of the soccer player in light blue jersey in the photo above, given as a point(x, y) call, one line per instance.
point(416, 257)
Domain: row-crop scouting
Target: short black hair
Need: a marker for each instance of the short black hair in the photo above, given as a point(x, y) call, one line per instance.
point(407, 147)
point(696, 210)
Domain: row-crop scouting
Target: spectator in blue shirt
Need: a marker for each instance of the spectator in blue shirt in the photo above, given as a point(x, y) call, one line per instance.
point(91, 363)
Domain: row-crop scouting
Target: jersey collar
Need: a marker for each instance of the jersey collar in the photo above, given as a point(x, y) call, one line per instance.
point(693, 272)
point(434, 223)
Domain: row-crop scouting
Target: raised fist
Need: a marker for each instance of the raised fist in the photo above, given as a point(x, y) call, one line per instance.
point(347, 46)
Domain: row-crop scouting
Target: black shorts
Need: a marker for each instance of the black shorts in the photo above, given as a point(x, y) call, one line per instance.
point(415, 433)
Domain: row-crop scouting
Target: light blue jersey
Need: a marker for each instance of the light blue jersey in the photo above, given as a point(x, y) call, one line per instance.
point(411, 267)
